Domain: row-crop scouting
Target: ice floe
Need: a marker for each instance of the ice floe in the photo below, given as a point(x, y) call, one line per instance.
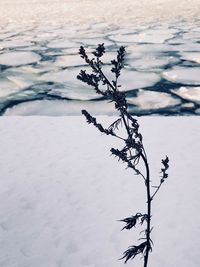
point(21, 82)
point(187, 106)
point(26, 70)
point(125, 38)
point(32, 48)
point(191, 56)
point(150, 62)
point(176, 41)
point(62, 76)
point(22, 76)
point(123, 31)
point(60, 108)
point(148, 48)
point(183, 75)
point(148, 36)
point(5, 35)
point(71, 87)
point(108, 56)
point(188, 93)
point(46, 66)
point(194, 35)
point(76, 60)
point(16, 80)
point(151, 100)
point(7, 87)
point(62, 43)
point(14, 44)
point(73, 50)
point(188, 47)
point(47, 53)
point(18, 58)
point(75, 92)
point(130, 80)
point(93, 41)
point(69, 61)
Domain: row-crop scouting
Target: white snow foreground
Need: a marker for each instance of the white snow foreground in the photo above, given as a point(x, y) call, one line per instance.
point(61, 193)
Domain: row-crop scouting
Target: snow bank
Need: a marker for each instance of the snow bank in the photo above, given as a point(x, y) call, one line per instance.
point(61, 193)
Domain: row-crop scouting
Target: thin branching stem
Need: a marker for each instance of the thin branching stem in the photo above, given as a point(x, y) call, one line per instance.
point(133, 150)
point(158, 188)
point(107, 81)
point(148, 231)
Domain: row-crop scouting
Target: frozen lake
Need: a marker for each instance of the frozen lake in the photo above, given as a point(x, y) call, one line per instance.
point(39, 60)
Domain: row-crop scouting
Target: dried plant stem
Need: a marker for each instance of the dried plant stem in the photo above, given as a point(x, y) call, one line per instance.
point(133, 150)
point(149, 199)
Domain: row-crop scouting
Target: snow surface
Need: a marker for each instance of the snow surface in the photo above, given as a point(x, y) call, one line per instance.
point(62, 193)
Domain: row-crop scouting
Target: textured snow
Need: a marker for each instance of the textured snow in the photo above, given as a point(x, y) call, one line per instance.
point(183, 75)
point(62, 193)
point(18, 58)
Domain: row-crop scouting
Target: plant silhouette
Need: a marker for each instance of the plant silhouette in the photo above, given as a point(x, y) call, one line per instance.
point(133, 150)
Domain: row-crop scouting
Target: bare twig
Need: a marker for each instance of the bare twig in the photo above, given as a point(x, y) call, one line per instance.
point(133, 150)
